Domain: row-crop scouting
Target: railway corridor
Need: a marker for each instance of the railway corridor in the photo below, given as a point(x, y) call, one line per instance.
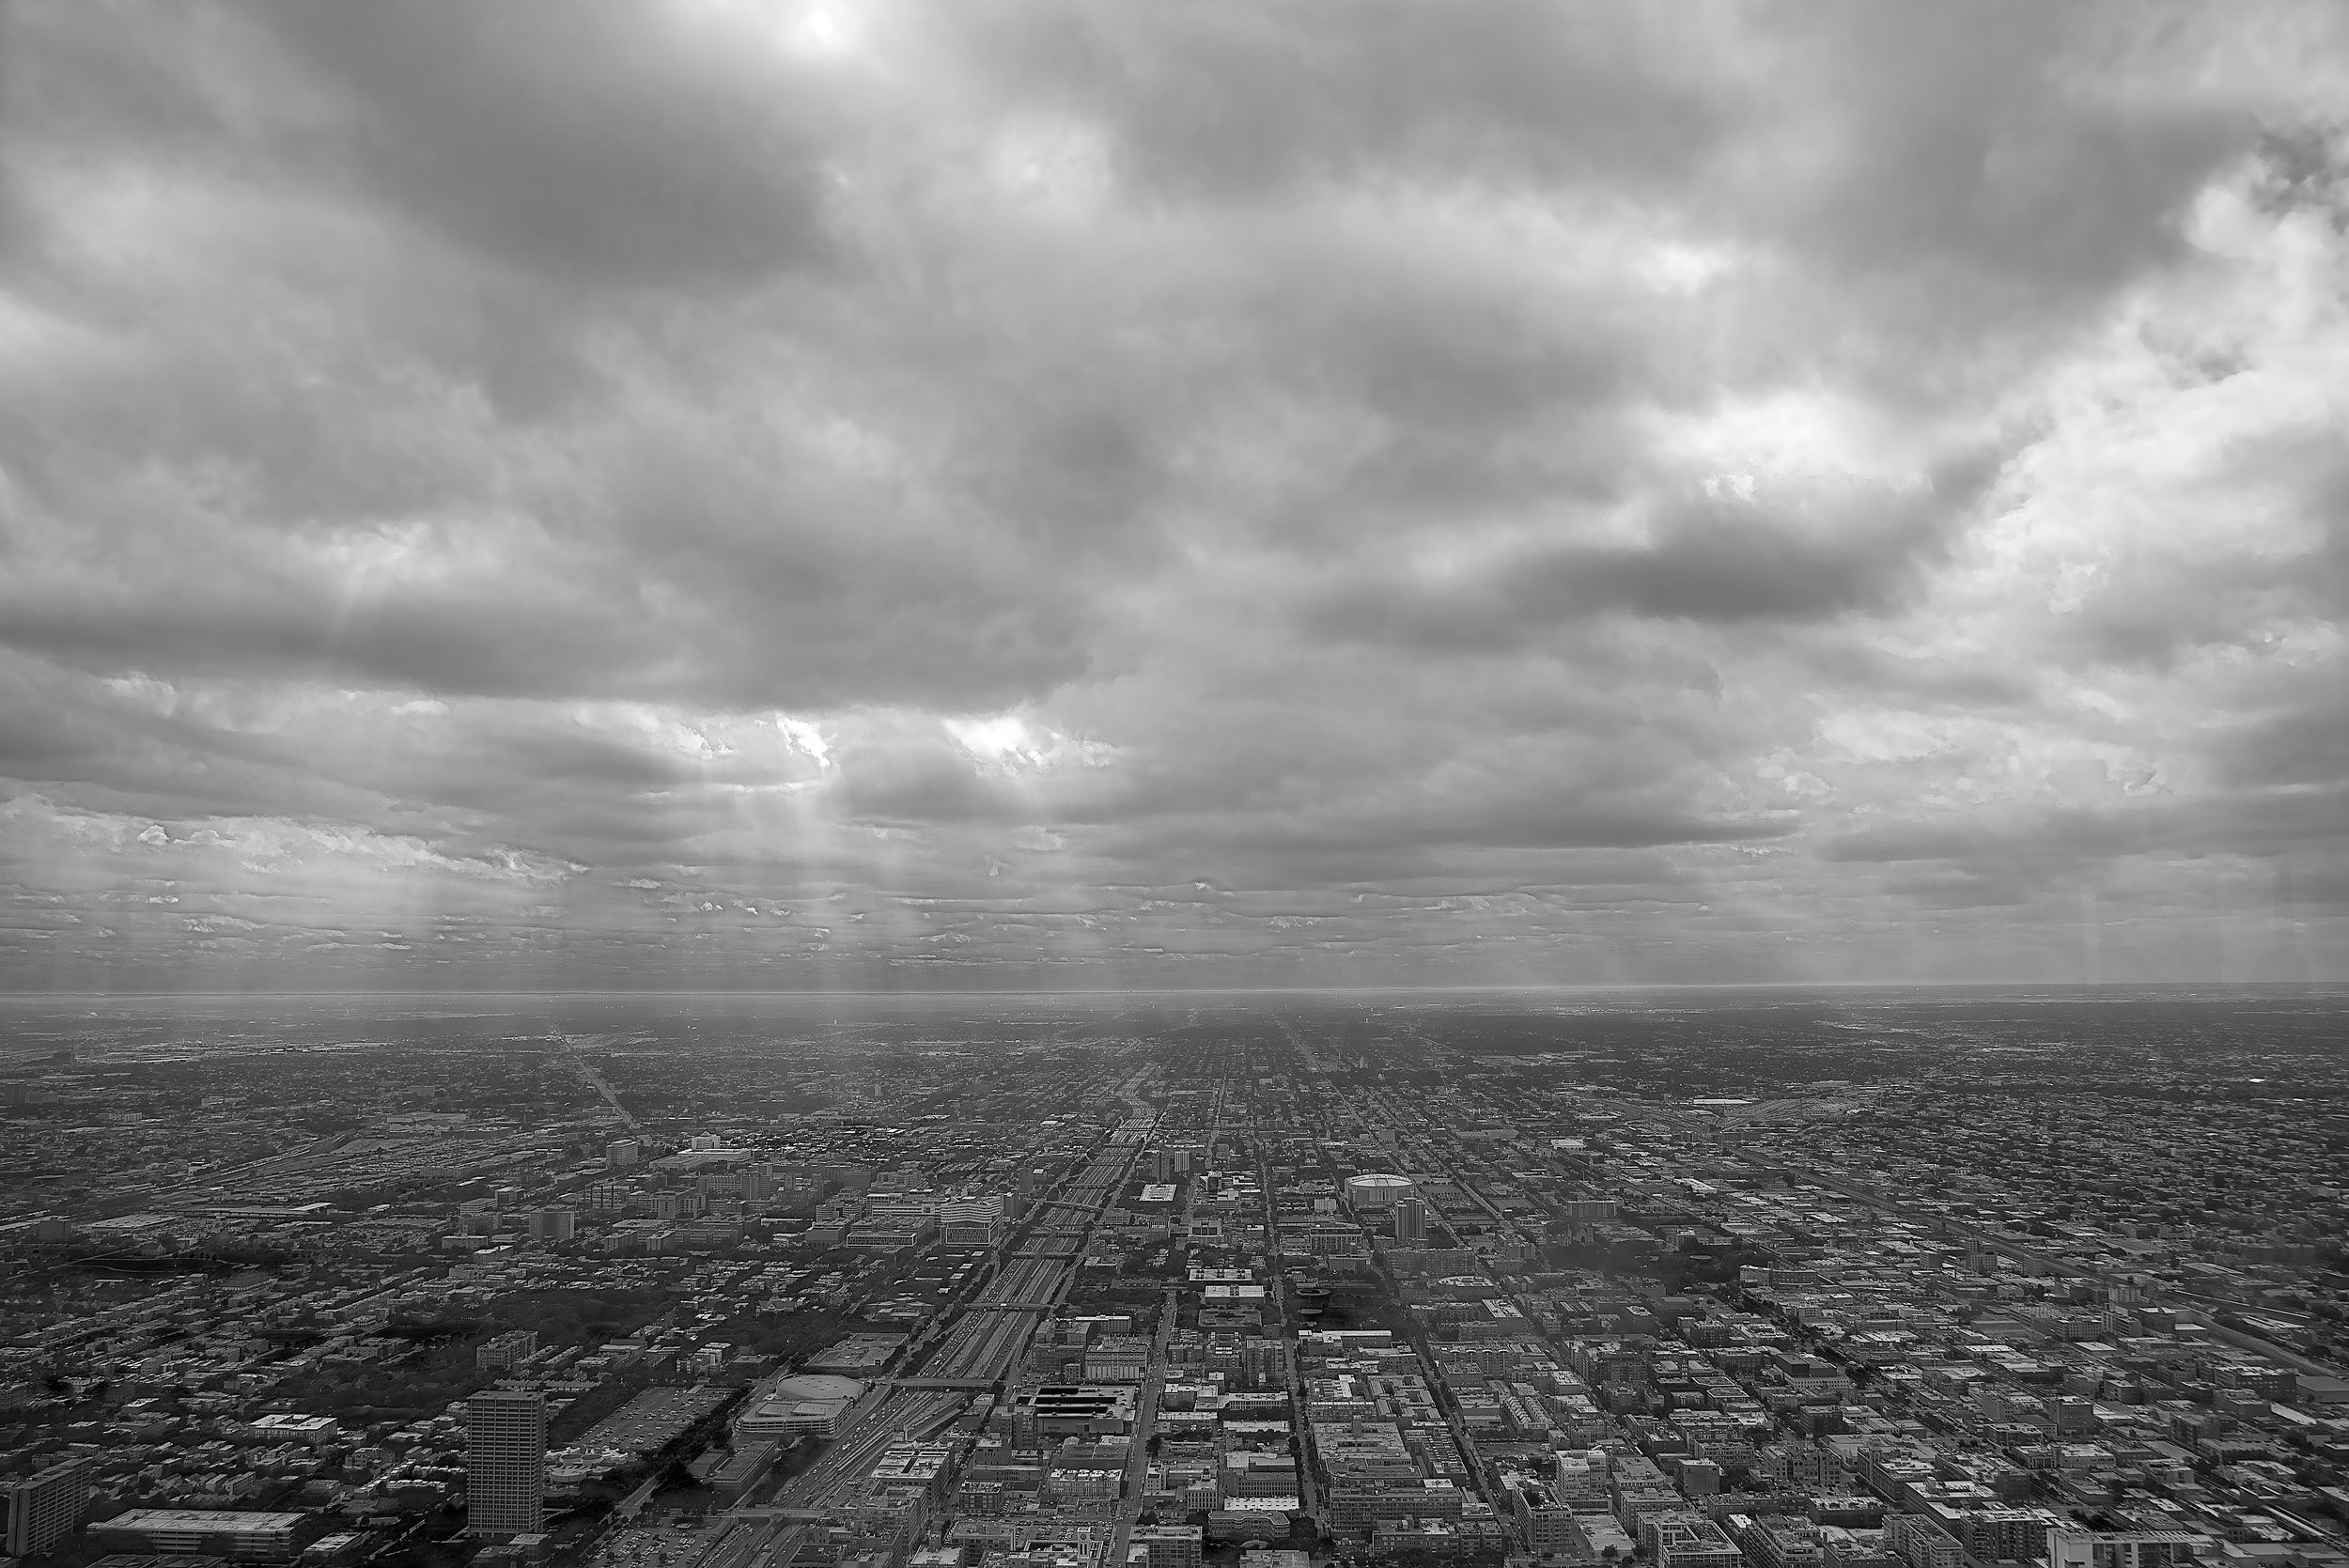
point(973, 1353)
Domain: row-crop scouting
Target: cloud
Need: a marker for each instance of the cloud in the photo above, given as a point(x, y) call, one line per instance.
point(593, 144)
point(1242, 101)
point(712, 492)
point(1818, 552)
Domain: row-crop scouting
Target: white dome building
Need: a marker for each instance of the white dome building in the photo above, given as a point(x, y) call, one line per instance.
point(1377, 1190)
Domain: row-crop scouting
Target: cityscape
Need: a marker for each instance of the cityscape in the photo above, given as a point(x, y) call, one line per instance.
point(1976, 1279)
point(1174, 784)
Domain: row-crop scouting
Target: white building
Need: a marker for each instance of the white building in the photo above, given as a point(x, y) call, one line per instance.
point(1378, 1190)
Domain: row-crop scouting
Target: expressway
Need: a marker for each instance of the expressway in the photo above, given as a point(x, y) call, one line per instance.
point(595, 1081)
point(900, 1415)
point(980, 1351)
point(975, 1352)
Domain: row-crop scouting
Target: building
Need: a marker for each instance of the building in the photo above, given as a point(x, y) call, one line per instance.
point(509, 1349)
point(1411, 1222)
point(1919, 1542)
point(1467, 1542)
point(1259, 1473)
point(2096, 1548)
point(1689, 1540)
point(1544, 1523)
point(247, 1537)
point(811, 1405)
point(1995, 1534)
point(1377, 1190)
point(623, 1154)
point(1117, 1359)
point(858, 1356)
point(505, 1470)
point(280, 1428)
point(45, 1508)
point(743, 1469)
point(1169, 1546)
point(926, 1468)
point(554, 1224)
point(1064, 1410)
point(972, 1221)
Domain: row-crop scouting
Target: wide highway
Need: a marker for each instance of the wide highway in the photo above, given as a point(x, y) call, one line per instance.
point(978, 1349)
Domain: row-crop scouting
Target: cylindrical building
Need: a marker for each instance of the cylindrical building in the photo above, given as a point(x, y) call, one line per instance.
point(1373, 1190)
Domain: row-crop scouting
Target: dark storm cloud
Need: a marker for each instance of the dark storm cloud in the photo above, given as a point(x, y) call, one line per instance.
point(1707, 558)
point(1713, 561)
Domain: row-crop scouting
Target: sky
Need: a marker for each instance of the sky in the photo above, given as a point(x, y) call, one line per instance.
point(785, 494)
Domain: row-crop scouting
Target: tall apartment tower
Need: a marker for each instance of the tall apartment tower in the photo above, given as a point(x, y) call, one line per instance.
point(43, 1508)
point(1411, 1222)
point(505, 1467)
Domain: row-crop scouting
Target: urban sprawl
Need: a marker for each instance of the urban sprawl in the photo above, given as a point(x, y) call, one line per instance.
point(1876, 1286)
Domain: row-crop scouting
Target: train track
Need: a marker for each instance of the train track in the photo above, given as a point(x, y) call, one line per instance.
point(977, 1352)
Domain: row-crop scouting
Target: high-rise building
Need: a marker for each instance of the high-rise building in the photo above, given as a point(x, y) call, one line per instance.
point(505, 1470)
point(1411, 1222)
point(554, 1224)
point(621, 1155)
point(43, 1508)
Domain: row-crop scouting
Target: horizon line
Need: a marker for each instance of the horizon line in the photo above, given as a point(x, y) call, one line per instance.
point(1487, 989)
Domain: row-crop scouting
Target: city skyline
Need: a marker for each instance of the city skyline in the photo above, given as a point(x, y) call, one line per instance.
point(1031, 496)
